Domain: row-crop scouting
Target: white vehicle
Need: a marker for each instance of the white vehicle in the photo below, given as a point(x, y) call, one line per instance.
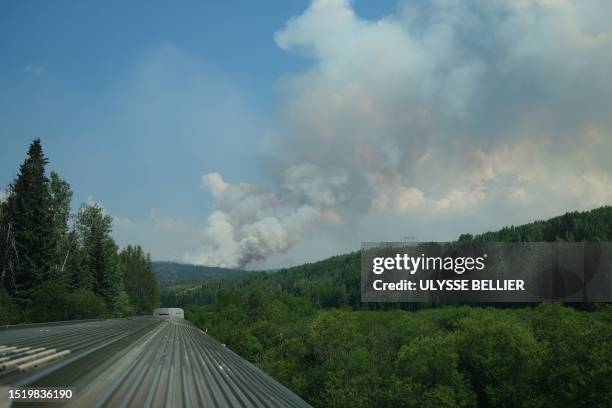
point(169, 312)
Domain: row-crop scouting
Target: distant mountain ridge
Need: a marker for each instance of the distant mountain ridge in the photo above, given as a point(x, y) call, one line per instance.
point(173, 273)
point(335, 282)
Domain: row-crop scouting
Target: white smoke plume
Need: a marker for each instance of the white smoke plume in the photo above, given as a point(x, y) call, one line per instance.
point(252, 224)
point(443, 107)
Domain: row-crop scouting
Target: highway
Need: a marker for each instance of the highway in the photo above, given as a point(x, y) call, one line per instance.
point(144, 361)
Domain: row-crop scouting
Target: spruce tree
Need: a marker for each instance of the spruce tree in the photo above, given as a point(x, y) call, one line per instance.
point(28, 211)
point(99, 253)
point(139, 279)
point(74, 265)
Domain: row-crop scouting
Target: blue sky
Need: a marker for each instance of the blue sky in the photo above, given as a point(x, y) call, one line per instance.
point(186, 120)
point(69, 67)
point(65, 65)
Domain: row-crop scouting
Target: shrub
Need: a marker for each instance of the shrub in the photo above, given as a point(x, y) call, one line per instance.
point(50, 302)
point(9, 312)
point(85, 304)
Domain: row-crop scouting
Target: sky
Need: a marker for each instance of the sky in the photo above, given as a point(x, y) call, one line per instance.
point(266, 134)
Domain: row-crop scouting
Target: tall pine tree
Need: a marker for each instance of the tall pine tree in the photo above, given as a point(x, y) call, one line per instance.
point(28, 212)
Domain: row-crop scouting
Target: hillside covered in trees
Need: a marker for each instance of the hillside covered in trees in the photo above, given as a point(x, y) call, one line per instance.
point(592, 226)
point(307, 327)
point(174, 273)
point(55, 265)
point(335, 282)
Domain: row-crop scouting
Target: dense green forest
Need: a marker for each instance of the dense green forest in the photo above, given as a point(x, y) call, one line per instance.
point(307, 327)
point(335, 282)
point(544, 356)
point(176, 277)
point(174, 273)
point(55, 265)
point(592, 226)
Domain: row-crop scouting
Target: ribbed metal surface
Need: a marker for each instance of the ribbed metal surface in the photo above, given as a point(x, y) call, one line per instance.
point(144, 362)
point(68, 340)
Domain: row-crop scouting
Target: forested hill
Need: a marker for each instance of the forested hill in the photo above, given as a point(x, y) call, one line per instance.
point(594, 225)
point(306, 327)
point(334, 282)
point(173, 273)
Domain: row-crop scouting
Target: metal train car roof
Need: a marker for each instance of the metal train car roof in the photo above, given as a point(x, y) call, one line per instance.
point(144, 361)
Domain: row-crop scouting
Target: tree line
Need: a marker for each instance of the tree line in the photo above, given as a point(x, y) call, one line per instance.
point(335, 282)
point(452, 356)
point(307, 327)
point(56, 265)
point(593, 226)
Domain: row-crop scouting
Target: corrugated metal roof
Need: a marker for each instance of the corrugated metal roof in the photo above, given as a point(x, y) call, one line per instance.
point(144, 361)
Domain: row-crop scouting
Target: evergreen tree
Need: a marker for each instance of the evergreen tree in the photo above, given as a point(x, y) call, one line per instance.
point(74, 266)
point(99, 252)
point(139, 280)
point(61, 195)
point(29, 216)
point(50, 271)
point(8, 252)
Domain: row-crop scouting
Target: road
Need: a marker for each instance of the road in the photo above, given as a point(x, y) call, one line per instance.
point(144, 361)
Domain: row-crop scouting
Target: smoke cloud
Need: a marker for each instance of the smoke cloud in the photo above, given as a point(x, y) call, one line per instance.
point(252, 224)
point(444, 107)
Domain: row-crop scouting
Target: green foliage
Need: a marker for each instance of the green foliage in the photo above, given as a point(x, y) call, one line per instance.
point(307, 327)
point(502, 358)
point(50, 271)
point(593, 226)
point(122, 306)
point(99, 251)
point(173, 273)
point(54, 302)
point(9, 312)
point(580, 350)
point(50, 302)
point(139, 280)
point(28, 212)
point(333, 282)
point(8, 252)
point(445, 357)
point(428, 373)
point(61, 194)
point(78, 274)
point(85, 304)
